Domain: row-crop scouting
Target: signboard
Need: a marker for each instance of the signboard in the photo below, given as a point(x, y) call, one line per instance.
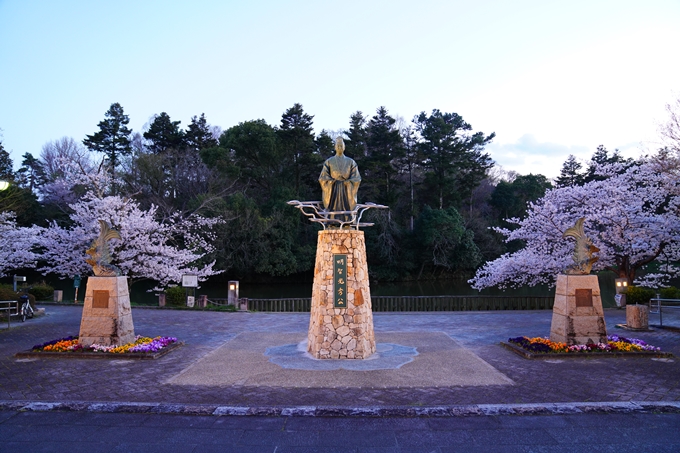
point(340, 281)
point(76, 281)
point(189, 281)
point(191, 300)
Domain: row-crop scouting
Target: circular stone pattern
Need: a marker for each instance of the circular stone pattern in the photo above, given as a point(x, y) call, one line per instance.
point(388, 356)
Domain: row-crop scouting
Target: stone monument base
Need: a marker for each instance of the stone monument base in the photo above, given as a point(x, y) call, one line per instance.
point(107, 317)
point(341, 333)
point(577, 313)
point(637, 317)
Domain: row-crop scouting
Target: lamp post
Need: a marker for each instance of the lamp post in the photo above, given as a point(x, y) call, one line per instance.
point(4, 185)
point(621, 290)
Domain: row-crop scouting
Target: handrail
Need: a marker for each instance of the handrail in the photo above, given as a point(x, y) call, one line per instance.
point(659, 306)
point(8, 309)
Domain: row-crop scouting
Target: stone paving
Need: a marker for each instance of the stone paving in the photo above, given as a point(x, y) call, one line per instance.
point(535, 382)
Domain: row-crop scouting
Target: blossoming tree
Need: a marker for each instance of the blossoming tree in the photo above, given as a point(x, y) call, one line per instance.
point(15, 245)
point(151, 247)
point(148, 249)
point(633, 216)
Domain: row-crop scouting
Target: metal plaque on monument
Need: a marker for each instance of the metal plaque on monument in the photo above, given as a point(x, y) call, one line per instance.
point(341, 318)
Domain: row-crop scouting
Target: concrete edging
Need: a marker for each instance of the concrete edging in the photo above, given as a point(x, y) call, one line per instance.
point(342, 411)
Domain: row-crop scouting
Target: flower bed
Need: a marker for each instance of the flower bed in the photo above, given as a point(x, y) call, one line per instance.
point(615, 345)
point(141, 346)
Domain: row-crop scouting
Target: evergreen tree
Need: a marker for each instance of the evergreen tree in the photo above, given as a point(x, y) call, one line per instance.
point(600, 158)
point(325, 147)
point(164, 134)
point(453, 157)
point(31, 175)
point(296, 142)
point(113, 138)
point(6, 165)
point(250, 152)
point(384, 146)
point(570, 174)
point(511, 199)
point(356, 143)
point(198, 135)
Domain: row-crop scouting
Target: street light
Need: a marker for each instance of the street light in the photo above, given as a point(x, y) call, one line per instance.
point(4, 185)
point(621, 290)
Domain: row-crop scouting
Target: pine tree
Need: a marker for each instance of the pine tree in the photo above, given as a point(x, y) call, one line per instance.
point(32, 173)
point(198, 135)
point(113, 138)
point(164, 134)
point(6, 165)
point(296, 141)
point(570, 174)
point(355, 146)
point(453, 157)
point(384, 147)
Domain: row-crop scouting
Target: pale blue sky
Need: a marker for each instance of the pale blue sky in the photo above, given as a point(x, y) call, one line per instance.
point(549, 77)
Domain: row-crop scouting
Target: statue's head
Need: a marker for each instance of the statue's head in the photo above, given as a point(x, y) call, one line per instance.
point(339, 146)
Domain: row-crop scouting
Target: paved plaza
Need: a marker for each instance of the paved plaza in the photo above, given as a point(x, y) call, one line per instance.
point(237, 364)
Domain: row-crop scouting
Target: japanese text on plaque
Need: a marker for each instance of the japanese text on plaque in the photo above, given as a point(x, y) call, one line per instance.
point(340, 281)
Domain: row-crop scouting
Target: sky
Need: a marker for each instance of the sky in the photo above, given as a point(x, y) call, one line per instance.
point(550, 78)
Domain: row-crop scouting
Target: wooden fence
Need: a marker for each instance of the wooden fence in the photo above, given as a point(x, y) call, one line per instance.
point(419, 303)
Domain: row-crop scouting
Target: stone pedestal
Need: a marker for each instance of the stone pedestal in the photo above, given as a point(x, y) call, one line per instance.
point(577, 314)
point(107, 318)
point(637, 317)
point(341, 333)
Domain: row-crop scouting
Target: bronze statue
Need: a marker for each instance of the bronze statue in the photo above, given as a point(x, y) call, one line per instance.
point(99, 251)
point(583, 250)
point(339, 181)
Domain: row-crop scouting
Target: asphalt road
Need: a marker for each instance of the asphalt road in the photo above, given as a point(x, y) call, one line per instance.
point(89, 432)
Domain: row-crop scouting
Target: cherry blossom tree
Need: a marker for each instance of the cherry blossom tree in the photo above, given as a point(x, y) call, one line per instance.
point(148, 249)
point(15, 245)
point(632, 215)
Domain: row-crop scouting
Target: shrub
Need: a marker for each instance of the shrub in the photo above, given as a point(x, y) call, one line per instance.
point(42, 291)
point(7, 293)
point(639, 295)
point(670, 293)
point(175, 296)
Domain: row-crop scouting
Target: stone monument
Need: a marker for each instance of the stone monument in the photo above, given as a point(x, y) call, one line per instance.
point(341, 318)
point(578, 317)
point(107, 317)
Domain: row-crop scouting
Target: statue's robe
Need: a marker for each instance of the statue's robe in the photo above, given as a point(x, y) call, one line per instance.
point(339, 181)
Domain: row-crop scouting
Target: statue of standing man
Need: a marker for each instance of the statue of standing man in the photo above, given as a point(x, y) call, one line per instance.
point(339, 181)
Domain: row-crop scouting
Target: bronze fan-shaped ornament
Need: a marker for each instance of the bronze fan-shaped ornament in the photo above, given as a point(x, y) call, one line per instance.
point(583, 250)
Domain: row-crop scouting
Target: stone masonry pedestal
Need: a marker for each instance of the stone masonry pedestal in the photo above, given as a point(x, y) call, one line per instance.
point(107, 317)
point(577, 313)
point(341, 333)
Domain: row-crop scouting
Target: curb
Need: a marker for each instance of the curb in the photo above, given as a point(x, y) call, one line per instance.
point(343, 411)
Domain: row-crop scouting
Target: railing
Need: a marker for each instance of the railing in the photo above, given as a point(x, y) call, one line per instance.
point(6, 306)
point(418, 303)
point(658, 309)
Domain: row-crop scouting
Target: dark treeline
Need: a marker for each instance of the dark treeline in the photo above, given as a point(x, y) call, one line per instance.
point(443, 190)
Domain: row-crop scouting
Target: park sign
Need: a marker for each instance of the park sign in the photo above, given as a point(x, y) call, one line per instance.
point(189, 281)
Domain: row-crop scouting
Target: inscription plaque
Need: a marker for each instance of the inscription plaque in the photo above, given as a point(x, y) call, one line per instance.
point(100, 299)
point(584, 297)
point(339, 281)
